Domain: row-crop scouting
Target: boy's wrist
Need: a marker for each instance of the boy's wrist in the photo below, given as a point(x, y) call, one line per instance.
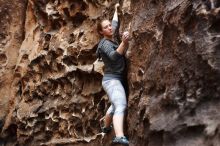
point(116, 6)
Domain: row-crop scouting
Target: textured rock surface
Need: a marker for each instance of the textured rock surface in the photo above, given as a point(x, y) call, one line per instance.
point(51, 88)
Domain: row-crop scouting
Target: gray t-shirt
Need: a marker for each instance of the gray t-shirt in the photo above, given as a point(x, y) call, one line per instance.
point(114, 62)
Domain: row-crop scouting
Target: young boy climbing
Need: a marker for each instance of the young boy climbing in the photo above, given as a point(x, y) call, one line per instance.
point(112, 54)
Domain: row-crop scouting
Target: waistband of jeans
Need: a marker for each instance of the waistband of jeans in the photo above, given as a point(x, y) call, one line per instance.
point(112, 76)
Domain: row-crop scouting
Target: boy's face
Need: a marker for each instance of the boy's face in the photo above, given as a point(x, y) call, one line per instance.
point(106, 28)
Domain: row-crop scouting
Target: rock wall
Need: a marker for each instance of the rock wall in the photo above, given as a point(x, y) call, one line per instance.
point(51, 90)
point(12, 15)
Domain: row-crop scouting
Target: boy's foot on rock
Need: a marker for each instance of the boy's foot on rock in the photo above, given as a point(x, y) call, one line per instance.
point(120, 140)
point(106, 129)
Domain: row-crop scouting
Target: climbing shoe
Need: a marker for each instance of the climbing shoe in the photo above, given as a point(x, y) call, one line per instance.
point(106, 129)
point(120, 140)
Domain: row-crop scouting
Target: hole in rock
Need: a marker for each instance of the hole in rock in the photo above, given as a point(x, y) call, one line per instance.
point(70, 60)
point(78, 19)
point(66, 12)
point(3, 58)
point(47, 37)
point(207, 3)
point(215, 27)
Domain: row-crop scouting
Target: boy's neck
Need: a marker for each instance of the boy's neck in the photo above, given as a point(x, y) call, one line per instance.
point(108, 37)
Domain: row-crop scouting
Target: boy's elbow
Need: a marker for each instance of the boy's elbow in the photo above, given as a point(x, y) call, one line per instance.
point(115, 56)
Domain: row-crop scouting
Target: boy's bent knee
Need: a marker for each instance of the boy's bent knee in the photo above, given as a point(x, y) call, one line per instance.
point(120, 109)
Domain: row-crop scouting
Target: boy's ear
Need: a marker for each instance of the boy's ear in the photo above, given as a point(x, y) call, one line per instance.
point(101, 32)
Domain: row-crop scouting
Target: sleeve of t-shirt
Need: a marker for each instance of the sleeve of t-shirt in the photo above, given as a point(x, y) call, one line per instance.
point(108, 49)
point(114, 26)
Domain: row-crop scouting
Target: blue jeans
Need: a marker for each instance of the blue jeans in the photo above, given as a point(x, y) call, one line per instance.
point(116, 95)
